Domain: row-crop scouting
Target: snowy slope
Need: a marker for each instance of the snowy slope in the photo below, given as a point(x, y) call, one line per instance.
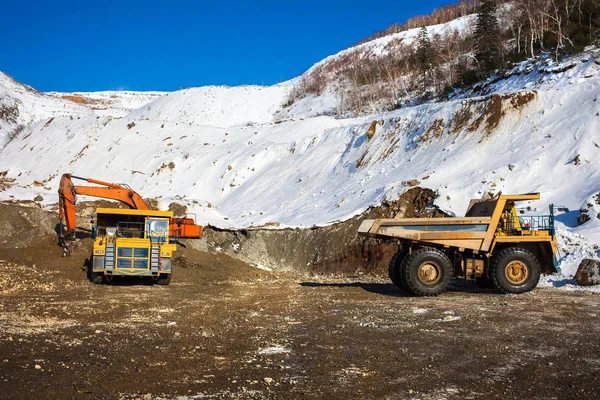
point(113, 103)
point(217, 105)
point(379, 46)
point(21, 105)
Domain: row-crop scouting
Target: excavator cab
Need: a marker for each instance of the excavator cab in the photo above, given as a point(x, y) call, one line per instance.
point(132, 243)
point(185, 227)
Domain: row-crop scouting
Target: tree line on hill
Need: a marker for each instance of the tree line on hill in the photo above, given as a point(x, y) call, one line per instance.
point(505, 32)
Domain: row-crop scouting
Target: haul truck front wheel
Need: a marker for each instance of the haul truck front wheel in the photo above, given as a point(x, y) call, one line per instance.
point(427, 272)
point(515, 270)
point(164, 279)
point(97, 277)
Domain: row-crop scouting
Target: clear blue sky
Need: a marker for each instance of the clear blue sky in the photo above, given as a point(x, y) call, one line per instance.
point(164, 45)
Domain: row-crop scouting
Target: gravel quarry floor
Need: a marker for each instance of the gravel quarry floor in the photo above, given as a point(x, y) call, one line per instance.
point(253, 334)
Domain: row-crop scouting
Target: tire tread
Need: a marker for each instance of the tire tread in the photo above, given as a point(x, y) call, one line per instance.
point(446, 264)
point(509, 254)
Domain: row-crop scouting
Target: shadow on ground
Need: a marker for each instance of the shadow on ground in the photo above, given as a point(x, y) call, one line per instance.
point(389, 289)
point(569, 219)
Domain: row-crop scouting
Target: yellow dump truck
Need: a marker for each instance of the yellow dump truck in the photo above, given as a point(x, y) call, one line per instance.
point(131, 243)
point(493, 244)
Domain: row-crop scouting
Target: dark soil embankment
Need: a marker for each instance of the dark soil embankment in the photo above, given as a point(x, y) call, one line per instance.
point(28, 237)
point(27, 232)
point(332, 249)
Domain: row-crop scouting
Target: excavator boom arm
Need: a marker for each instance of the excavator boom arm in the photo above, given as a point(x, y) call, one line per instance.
point(67, 197)
point(124, 195)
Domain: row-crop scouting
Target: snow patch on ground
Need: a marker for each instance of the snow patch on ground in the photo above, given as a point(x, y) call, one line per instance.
point(572, 248)
point(260, 266)
point(274, 350)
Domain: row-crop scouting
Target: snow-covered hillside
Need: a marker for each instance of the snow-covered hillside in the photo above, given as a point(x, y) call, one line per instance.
point(110, 103)
point(21, 105)
point(216, 106)
point(237, 158)
point(381, 45)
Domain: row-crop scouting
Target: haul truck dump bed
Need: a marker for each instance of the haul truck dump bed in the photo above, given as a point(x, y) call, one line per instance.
point(492, 245)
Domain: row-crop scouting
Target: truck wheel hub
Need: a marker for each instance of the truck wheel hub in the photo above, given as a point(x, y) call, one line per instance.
point(429, 273)
point(517, 272)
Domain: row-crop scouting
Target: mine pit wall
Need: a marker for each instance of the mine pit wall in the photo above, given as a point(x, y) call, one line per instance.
point(332, 249)
point(28, 236)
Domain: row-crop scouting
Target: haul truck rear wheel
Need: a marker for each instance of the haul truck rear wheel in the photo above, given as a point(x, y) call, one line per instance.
point(395, 269)
point(515, 270)
point(427, 272)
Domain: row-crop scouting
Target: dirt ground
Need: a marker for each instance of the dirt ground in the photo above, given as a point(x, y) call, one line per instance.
point(224, 330)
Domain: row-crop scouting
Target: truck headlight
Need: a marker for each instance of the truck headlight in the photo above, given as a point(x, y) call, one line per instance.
point(164, 253)
point(111, 231)
point(99, 251)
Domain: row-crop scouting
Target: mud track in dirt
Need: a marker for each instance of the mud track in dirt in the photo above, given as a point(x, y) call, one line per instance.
point(245, 333)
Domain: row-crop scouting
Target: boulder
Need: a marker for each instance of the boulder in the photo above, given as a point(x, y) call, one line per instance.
point(583, 217)
point(588, 273)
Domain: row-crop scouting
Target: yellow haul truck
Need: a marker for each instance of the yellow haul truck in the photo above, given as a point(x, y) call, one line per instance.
point(131, 243)
point(492, 244)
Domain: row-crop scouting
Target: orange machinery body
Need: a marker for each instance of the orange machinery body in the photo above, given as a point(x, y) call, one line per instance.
point(67, 198)
point(184, 228)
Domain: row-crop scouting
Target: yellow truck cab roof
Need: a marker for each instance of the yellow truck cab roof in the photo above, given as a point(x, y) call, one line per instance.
point(126, 211)
point(520, 197)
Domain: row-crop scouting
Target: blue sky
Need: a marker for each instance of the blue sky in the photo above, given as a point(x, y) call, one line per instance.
point(165, 45)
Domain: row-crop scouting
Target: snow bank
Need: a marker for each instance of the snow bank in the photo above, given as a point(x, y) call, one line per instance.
point(219, 106)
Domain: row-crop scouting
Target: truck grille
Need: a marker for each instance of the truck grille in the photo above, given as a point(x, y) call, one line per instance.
point(132, 257)
point(132, 263)
point(133, 252)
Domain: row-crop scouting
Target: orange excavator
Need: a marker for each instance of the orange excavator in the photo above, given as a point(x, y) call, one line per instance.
point(67, 198)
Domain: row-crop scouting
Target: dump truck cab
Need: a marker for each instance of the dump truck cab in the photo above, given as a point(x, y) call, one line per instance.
point(495, 244)
point(132, 243)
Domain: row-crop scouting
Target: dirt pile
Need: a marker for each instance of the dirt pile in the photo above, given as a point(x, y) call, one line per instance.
point(28, 235)
point(194, 266)
point(24, 224)
point(332, 249)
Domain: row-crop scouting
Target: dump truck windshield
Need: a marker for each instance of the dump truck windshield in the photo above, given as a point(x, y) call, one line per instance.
point(157, 229)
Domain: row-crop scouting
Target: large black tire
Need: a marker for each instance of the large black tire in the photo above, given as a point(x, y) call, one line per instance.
point(427, 272)
point(395, 269)
point(164, 279)
point(97, 277)
point(515, 270)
